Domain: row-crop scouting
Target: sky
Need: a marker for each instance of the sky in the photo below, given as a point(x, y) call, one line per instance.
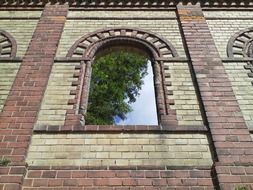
point(144, 108)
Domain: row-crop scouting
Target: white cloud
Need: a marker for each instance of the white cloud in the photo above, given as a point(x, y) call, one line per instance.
point(144, 109)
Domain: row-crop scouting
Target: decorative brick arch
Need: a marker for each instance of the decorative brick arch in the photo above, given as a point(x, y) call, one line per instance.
point(88, 45)
point(241, 44)
point(8, 45)
point(155, 46)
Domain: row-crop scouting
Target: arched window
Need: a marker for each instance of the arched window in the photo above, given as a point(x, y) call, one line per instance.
point(156, 49)
point(8, 46)
point(241, 44)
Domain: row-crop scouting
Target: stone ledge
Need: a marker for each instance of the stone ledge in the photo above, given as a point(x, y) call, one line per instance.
point(122, 128)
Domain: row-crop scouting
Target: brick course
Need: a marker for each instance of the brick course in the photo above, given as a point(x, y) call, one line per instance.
point(119, 179)
point(119, 150)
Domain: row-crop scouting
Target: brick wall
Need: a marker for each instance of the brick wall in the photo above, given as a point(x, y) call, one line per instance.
point(21, 25)
point(55, 102)
point(118, 179)
point(164, 23)
point(227, 126)
point(18, 116)
point(8, 73)
point(78, 25)
point(224, 24)
point(186, 103)
point(242, 87)
point(202, 87)
point(119, 150)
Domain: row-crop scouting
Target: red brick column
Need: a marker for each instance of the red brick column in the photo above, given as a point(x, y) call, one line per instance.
point(23, 103)
point(231, 138)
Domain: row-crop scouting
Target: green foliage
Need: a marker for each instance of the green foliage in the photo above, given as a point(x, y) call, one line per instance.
point(4, 162)
point(115, 83)
point(241, 188)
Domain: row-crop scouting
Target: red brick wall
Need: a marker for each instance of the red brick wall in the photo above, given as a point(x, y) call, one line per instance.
point(118, 179)
point(231, 138)
point(23, 103)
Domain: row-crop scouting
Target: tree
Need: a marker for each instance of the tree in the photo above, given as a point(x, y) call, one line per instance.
point(115, 83)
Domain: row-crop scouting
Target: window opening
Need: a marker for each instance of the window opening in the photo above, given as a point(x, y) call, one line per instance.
point(121, 90)
point(144, 108)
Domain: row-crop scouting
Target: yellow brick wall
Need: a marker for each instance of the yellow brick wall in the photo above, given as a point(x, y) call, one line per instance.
point(186, 103)
point(119, 150)
point(76, 28)
point(21, 26)
point(242, 88)
point(8, 73)
point(122, 14)
point(55, 101)
point(224, 24)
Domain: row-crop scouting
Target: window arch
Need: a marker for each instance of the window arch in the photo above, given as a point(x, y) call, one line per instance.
point(89, 44)
point(8, 45)
point(156, 47)
point(241, 44)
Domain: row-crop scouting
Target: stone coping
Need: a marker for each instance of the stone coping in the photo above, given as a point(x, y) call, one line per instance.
point(129, 3)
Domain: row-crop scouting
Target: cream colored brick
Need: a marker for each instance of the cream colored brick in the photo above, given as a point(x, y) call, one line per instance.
point(75, 148)
point(122, 148)
point(20, 14)
point(135, 148)
point(148, 148)
point(181, 155)
point(127, 155)
point(6, 80)
point(103, 141)
point(57, 95)
point(169, 29)
point(91, 141)
point(242, 86)
point(102, 155)
point(223, 29)
point(95, 148)
point(94, 162)
point(136, 162)
point(111, 148)
point(21, 29)
point(117, 14)
point(116, 155)
point(190, 162)
point(70, 149)
point(117, 141)
point(90, 155)
point(122, 162)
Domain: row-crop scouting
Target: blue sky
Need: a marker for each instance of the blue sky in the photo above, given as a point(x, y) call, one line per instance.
point(144, 109)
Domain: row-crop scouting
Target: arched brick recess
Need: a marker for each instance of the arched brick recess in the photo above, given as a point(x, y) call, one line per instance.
point(155, 46)
point(241, 44)
point(8, 45)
